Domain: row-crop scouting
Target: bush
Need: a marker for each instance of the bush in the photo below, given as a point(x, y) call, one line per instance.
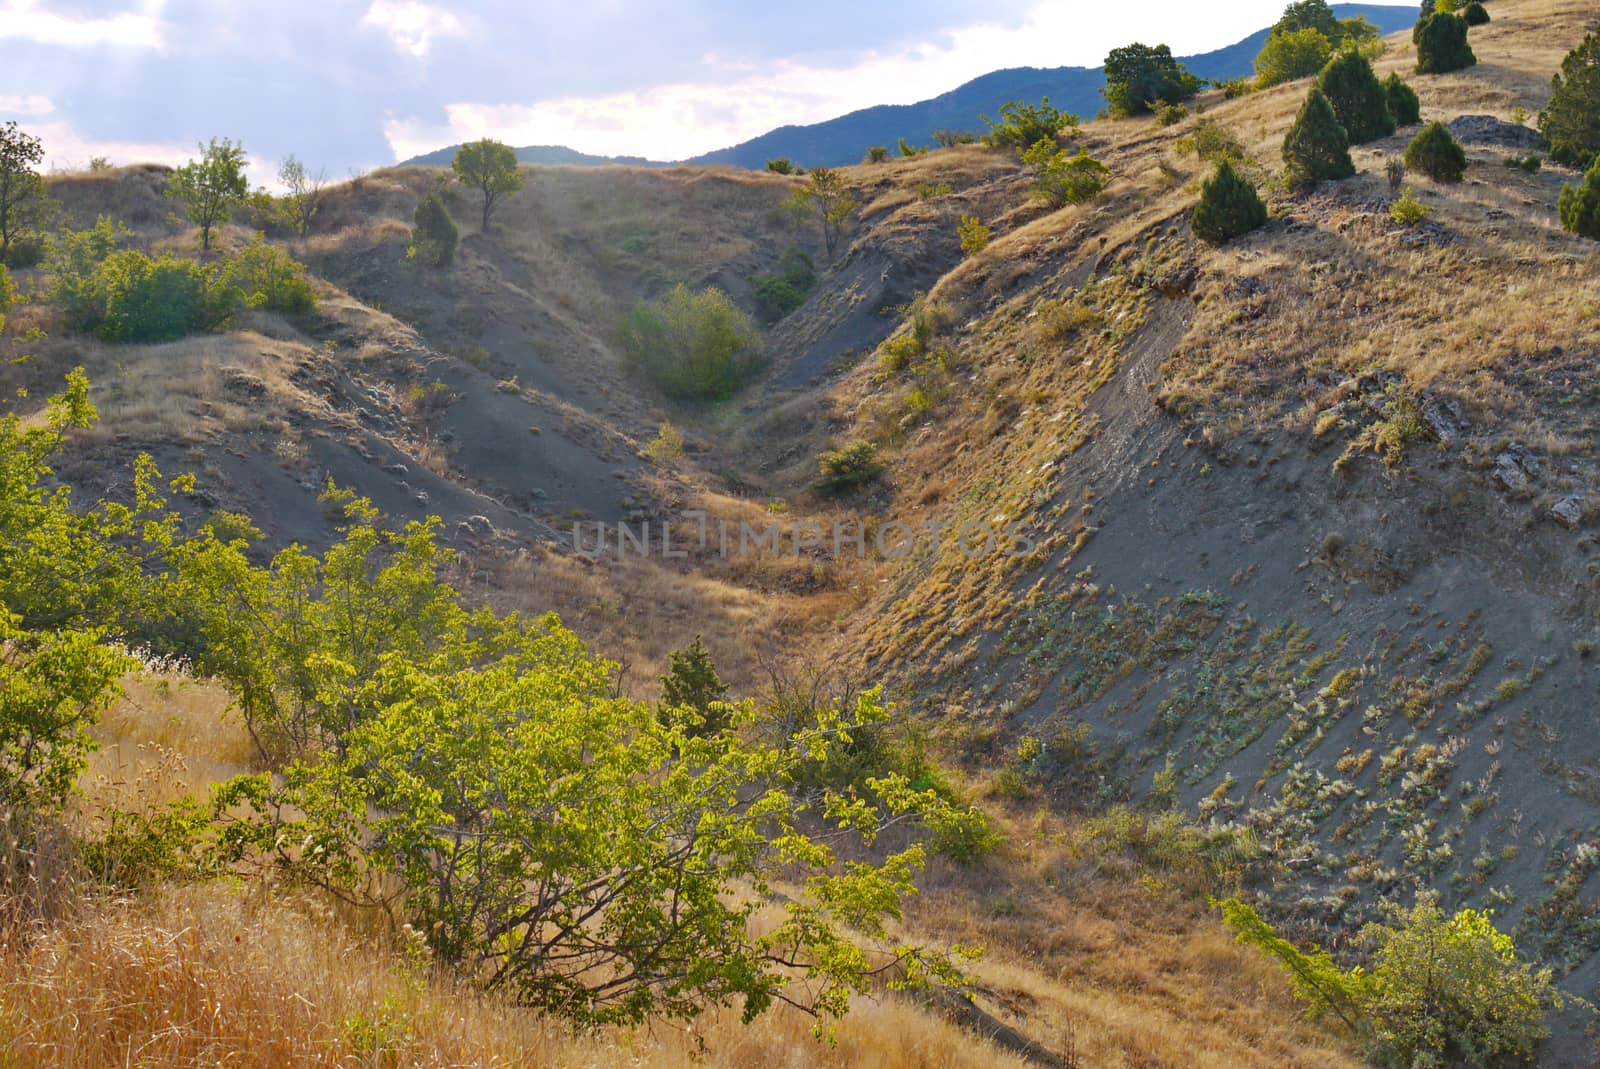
point(1139, 77)
point(158, 300)
point(270, 278)
point(1234, 88)
point(1317, 148)
point(783, 165)
point(877, 154)
point(1024, 125)
point(844, 469)
point(1571, 121)
point(1065, 179)
point(1213, 142)
point(692, 686)
point(973, 234)
point(1475, 14)
point(1436, 153)
point(1171, 114)
point(1442, 44)
point(1359, 100)
point(71, 262)
point(907, 151)
point(1580, 205)
point(1408, 211)
point(952, 138)
point(693, 345)
point(433, 232)
point(781, 291)
point(1229, 206)
point(8, 295)
point(1288, 56)
point(1404, 105)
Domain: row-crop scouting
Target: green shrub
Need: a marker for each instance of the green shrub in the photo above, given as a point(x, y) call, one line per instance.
point(1436, 153)
point(1408, 211)
point(1404, 105)
point(844, 469)
point(8, 295)
point(433, 232)
point(877, 154)
point(693, 694)
point(1023, 125)
point(1442, 44)
point(784, 165)
point(270, 278)
point(907, 151)
point(1065, 179)
point(693, 345)
point(667, 446)
point(973, 234)
point(1531, 164)
point(1317, 148)
point(786, 288)
point(1359, 100)
point(952, 138)
point(1580, 205)
point(1213, 142)
point(1475, 14)
point(1234, 88)
point(1287, 56)
point(1571, 121)
point(158, 300)
point(71, 262)
point(1229, 206)
point(1171, 114)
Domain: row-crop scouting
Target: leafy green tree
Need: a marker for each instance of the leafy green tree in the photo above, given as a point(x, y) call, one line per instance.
point(783, 165)
point(694, 345)
point(692, 685)
point(1358, 98)
point(830, 200)
point(211, 187)
point(1317, 148)
point(1139, 77)
point(269, 278)
point(1571, 121)
point(72, 260)
point(1229, 206)
point(433, 232)
point(1291, 55)
point(1436, 153)
point(489, 167)
point(302, 195)
point(1580, 205)
point(1064, 178)
point(1442, 44)
point(1404, 105)
point(22, 192)
point(1317, 15)
point(1022, 125)
point(150, 300)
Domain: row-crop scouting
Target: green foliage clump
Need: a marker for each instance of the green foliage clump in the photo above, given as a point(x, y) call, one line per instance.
point(1229, 206)
point(211, 187)
point(1139, 77)
point(303, 194)
point(974, 235)
point(433, 232)
point(952, 138)
point(782, 290)
point(1317, 148)
point(1213, 142)
point(1022, 125)
point(829, 200)
point(907, 150)
point(1408, 211)
point(693, 693)
point(1436, 153)
point(693, 344)
point(154, 300)
point(847, 468)
point(1404, 105)
point(8, 294)
point(1475, 14)
point(1358, 98)
point(1171, 114)
point(1442, 990)
point(489, 167)
point(71, 261)
point(1288, 56)
point(667, 446)
point(1064, 178)
point(23, 200)
point(1442, 47)
point(1580, 205)
point(784, 165)
point(877, 154)
point(270, 278)
point(1571, 121)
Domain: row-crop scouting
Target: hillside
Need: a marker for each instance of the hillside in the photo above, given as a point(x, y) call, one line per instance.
point(1308, 614)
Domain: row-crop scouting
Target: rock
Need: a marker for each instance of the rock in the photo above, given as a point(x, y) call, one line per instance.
point(477, 526)
point(1444, 419)
point(241, 383)
point(396, 469)
point(1488, 130)
point(1512, 476)
point(421, 498)
point(1568, 512)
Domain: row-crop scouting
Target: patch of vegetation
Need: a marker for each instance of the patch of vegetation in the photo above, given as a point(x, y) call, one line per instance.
point(1570, 122)
point(1441, 41)
point(974, 236)
point(829, 201)
point(211, 187)
point(1291, 55)
point(1023, 125)
point(1408, 211)
point(784, 289)
point(1436, 153)
point(1359, 100)
point(784, 165)
point(1214, 143)
point(489, 167)
point(1229, 206)
point(1405, 107)
point(847, 468)
point(433, 232)
point(1317, 148)
point(667, 446)
point(695, 345)
point(1580, 205)
point(23, 201)
point(1139, 77)
point(1064, 178)
point(877, 154)
point(1475, 14)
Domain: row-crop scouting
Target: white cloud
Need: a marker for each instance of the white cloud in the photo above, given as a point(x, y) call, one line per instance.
point(411, 26)
point(29, 20)
point(26, 105)
point(738, 101)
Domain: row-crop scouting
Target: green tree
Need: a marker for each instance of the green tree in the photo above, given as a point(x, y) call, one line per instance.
point(1436, 153)
point(974, 235)
point(433, 232)
point(302, 195)
point(693, 345)
point(1139, 76)
point(1292, 55)
point(830, 200)
point(150, 300)
point(1404, 105)
point(1442, 44)
point(269, 278)
point(489, 167)
point(783, 165)
point(1358, 98)
point(1580, 205)
point(1571, 121)
point(1317, 148)
point(22, 192)
point(692, 685)
point(1229, 206)
point(211, 187)
point(1475, 14)
point(1022, 125)
point(1064, 178)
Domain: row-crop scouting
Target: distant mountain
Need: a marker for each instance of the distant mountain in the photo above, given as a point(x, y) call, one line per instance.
point(842, 141)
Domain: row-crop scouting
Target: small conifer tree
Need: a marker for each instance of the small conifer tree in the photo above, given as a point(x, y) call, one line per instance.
point(1404, 106)
point(1229, 206)
point(1475, 14)
point(1317, 147)
point(1436, 153)
point(1358, 98)
point(1580, 205)
point(692, 683)
point(1442, 44)
point(433, 232)
point(1571, 121)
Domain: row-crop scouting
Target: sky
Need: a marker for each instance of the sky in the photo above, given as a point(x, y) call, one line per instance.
point(348, 85)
